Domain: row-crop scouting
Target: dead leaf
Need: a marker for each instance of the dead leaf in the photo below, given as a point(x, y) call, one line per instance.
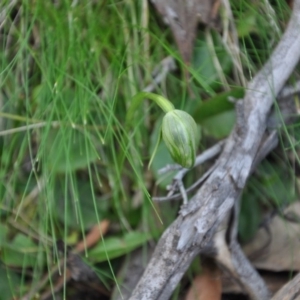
point(183, 18)
point(77, 269)
point(94, 235)
point(207, 285)
point(277, 247)
point(273, 280)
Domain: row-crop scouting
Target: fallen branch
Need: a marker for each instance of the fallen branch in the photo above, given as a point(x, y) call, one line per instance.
point(194, 229)
point(289, 291)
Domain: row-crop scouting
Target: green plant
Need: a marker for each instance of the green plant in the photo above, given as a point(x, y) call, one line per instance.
point(178, 130)
point(67, 161)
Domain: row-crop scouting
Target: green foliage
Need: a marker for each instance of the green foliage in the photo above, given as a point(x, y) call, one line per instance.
point(69, 150)
point(161, 159)
point(20, 252)
point(117, 246)
point(181, 136)
point(219, 126)
point(250, 216)
point(69, 70)
point(217, 104)
point(77, 206)
point(271, 187)
point(178, 130)
point(217, 115)
point(9, 283)
point(203, 59)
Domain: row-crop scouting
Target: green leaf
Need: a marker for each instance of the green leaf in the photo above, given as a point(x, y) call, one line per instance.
point(20, 252)
point(116, 247)
point(219, 126)
point(3, 233)
point(9, 283)
point(216, 115)
point(274, 183)
point(203, 60)
point(247, 24)
point(217, 104)
point(77, 209)
point(69, 150)
point(271, 186)
point(249, 217)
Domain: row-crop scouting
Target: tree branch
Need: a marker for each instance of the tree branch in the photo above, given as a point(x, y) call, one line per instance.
point(196, 225)
point(289, 291)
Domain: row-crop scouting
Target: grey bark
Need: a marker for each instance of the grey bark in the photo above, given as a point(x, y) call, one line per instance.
point(290, 291)
point(195, 228)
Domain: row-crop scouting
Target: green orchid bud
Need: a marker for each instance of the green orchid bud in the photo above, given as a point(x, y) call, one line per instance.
point(180, 134)
point(179, 130)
